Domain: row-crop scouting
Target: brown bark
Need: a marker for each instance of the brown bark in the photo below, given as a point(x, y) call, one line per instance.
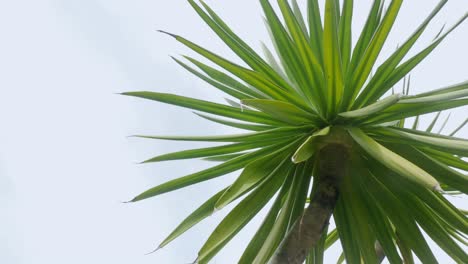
point(307, 230)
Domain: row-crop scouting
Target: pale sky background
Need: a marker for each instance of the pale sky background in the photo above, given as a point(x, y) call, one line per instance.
point(66, 163)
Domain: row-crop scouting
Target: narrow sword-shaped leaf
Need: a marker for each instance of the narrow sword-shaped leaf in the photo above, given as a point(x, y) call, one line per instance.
point(345, 35)
point(341, 258)
point(420, 198)
point(415, 123)
point(361, 45)
point(300, 200)
point(227, 80)
point(309, 61)
point(446, 158)
point(309, 147)
point(241, 215)
point(332, 58)
point(205, 106)
point(373, 108)
point(259, 81)
point(402, 218)
point(300, 18)
point(280, 227)
point(236, 44)
point(452, 145)
point(459, 127)
point(436, 201)
point(371, 25)
point(381, 225)
point(204, 175)
point(449, 89)
point(275, 133)
point(283, 111)
point(228, 90)
point(253, 174)
point(388, 132)
point(223, 158)
point(439, 170)
point(392, 62)
point(291, 73)
point(226, 28)
point(261, 235)
point(316, 29)
point(405, 250)
point(211, 151)
point(278, 78)
point(357, 213)
point(444, 124)
point(202, 212)
point(393, 161)
point(245, 126)
point(349, 243)
point(426, 220)
point(411, 63)
point(285, 46)
point(436, 98)
point(401, 111)
point(270, 58)
point(375, 46)
point(433, 122)
point(331, 238)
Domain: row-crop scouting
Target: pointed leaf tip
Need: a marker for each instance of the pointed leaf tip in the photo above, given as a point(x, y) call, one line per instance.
point(128, 93)
point(167, 33)
point(154, 251)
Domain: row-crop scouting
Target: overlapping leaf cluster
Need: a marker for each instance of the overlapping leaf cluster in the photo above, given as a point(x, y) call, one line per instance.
point(316, 83)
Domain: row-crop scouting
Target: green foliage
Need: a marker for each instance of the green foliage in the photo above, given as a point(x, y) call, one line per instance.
point(291, 101)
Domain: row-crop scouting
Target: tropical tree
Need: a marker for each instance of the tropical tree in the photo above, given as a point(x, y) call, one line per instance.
point(327, 137)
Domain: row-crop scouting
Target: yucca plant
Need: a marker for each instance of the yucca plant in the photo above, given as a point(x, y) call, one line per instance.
point(326, 138)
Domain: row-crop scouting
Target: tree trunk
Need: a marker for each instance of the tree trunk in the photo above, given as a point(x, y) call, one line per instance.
point(307, 230)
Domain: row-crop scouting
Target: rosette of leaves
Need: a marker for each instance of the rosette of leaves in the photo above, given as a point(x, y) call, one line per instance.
point(325, 138)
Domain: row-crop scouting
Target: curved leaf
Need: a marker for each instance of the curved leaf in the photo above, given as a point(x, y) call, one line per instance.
point(272, 134)
point(439, 170)
point(205, 106)
point(308, 148)
point(361, 72)
point(237, 93)
point(241, 215)
point(373, 108)
point(455, 146)
point(204, 175)
point(281, 225)
point(375, 88)
point(212, 151)
point(393, 161)
point(245, 126)
point(202, 212)
point(254, 173)
point(260, 236)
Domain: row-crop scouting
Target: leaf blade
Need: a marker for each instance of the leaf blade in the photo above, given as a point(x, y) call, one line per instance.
point(393, 161)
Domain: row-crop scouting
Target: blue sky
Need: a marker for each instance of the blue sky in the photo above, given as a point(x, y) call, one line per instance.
point(66, 163)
